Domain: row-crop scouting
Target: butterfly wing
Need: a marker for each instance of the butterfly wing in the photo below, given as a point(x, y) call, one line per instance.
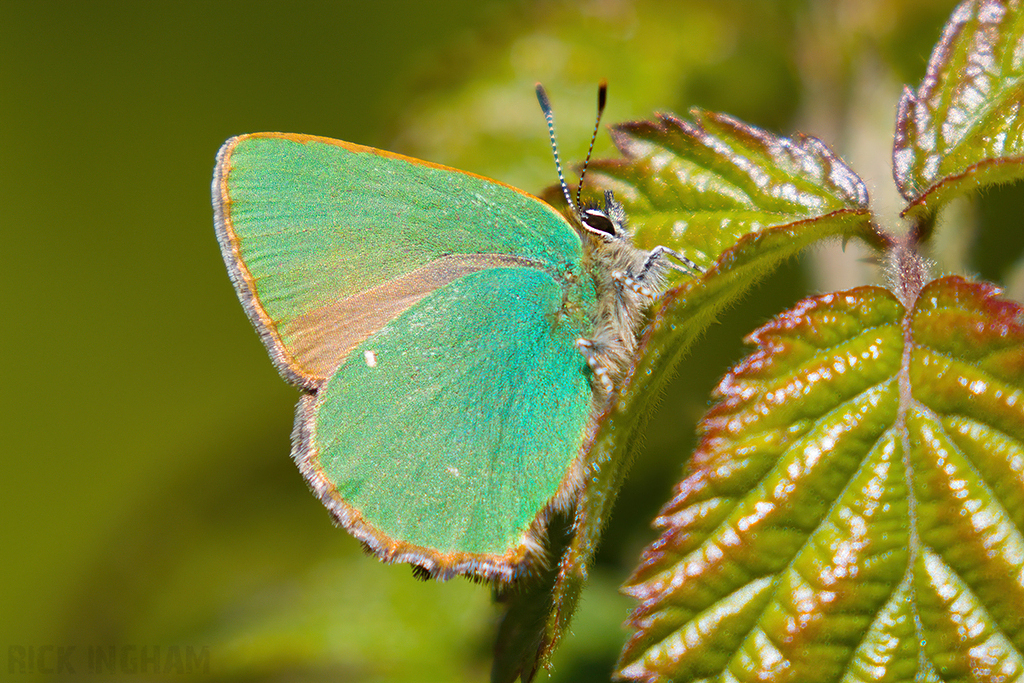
point(326, 241)
point(433, 315)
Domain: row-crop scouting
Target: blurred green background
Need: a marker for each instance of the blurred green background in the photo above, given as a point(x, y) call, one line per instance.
point(148, 498)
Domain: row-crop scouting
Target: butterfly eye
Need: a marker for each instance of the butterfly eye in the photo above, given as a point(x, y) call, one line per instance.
point(598, 222)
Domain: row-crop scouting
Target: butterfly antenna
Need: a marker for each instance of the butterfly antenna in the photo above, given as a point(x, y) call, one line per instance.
point(602, 97)
point(545, 106)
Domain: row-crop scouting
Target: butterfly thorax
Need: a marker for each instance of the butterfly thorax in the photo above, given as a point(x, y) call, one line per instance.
point(626, 282)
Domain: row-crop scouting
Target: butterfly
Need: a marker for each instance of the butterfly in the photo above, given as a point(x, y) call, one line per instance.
point(455, 338)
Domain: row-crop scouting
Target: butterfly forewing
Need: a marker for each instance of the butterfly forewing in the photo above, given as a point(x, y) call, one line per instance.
point(308, 224)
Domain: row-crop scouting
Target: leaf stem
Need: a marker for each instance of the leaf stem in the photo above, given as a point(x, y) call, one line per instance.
point(908, 273)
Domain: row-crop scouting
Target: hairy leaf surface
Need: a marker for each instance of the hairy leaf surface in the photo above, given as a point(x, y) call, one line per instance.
point(963, 127)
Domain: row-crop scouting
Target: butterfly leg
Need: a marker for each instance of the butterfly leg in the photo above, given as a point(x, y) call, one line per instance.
point(660, 253)
point(593, 358)
point(635, 285)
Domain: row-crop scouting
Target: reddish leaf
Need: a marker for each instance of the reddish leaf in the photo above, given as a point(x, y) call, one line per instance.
point(855, 510)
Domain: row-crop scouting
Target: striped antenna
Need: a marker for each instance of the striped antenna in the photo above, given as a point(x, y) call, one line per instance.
point(602, 97)
point(545, 106)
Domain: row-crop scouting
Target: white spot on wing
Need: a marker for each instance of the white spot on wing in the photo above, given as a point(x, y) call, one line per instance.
point(371, 359)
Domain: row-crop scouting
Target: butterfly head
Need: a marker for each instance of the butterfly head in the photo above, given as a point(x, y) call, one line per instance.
point(607, 222)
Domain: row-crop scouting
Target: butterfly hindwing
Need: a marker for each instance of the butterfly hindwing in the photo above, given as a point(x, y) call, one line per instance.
point(446, 434)
point(433, 316)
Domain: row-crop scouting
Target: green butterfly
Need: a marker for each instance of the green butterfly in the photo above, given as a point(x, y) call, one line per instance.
point(456, 338)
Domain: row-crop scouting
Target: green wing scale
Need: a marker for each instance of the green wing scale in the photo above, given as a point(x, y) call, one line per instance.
point(431, 316)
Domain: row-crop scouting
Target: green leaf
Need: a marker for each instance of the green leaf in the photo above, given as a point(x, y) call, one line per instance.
point(963, 128)
point(855, 509)
point(706, 184)
point(737, 200)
